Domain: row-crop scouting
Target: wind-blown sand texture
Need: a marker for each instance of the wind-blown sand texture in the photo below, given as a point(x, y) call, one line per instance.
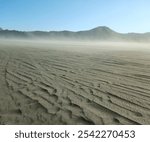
point(54, 85)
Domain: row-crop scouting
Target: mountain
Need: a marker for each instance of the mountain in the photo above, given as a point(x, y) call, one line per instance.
point(99, 33)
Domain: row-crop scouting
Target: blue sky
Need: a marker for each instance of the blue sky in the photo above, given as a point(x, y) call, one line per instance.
point(120, 15)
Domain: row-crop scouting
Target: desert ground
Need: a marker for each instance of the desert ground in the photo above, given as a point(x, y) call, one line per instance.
point(74, 83)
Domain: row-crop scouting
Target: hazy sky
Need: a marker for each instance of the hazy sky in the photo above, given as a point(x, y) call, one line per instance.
point(120, 15)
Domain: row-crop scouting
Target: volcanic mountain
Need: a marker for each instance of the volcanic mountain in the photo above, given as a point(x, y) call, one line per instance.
point(101, 33)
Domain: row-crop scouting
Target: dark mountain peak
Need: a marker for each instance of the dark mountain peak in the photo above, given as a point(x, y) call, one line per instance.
point(102, 29)
point(1, 29)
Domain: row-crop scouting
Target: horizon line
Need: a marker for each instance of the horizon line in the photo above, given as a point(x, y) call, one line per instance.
point(1, 28)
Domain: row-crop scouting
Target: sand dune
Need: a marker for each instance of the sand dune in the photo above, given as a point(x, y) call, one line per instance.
point(50, 85)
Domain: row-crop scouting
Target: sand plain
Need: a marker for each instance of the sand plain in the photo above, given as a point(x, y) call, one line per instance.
point(74, 83)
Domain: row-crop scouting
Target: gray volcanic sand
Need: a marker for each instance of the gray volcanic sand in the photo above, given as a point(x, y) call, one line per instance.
point(74, 83)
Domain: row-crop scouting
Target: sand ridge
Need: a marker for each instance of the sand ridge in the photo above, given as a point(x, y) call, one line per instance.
point(48, 86)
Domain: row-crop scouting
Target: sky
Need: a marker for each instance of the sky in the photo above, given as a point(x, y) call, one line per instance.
point(46, 15)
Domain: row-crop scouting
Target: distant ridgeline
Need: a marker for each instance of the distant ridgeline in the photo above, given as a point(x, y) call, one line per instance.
point(101, 33)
